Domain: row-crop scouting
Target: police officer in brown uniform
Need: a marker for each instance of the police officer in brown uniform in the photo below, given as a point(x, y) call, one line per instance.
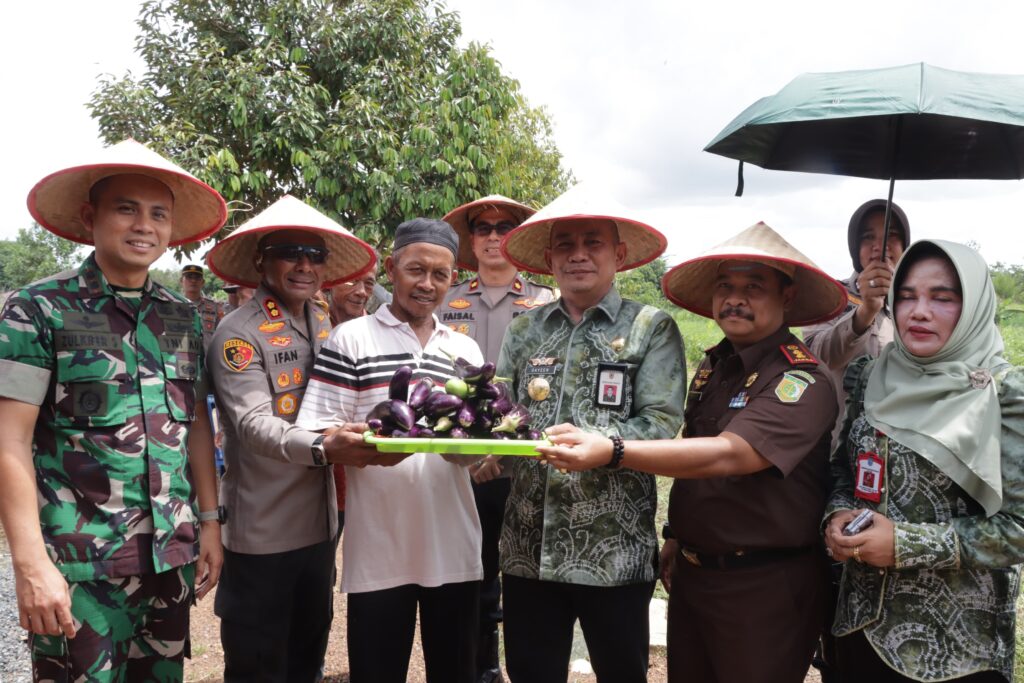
point(210, 311)
point(482, 307)
point(280, 511)
point(743, 561)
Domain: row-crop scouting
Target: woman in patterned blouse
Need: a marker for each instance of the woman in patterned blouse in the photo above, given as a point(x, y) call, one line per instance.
point(933, 445)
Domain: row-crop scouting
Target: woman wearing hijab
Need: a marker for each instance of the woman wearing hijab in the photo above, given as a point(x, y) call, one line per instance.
point(933, 446)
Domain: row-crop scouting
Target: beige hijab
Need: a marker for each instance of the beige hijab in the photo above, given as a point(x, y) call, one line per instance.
point(945, 407)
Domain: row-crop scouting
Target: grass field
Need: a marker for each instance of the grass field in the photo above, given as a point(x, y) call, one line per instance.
point(701, 333)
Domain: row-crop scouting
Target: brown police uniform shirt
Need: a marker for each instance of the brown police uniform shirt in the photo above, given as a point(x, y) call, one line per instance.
point(468, 311)
point(210, 314)
point(277, 496)
point(781, 401)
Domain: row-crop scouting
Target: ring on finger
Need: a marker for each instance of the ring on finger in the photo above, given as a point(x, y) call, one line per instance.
point(856, 553)
point(871, 282)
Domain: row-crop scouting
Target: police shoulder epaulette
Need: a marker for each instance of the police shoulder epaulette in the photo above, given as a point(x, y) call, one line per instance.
point(797, 354)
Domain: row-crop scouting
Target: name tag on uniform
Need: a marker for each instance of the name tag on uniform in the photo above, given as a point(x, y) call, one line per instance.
point(868, 484)
point(611, 385)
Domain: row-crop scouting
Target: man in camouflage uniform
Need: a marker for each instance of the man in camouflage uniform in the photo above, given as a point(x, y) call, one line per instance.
point(583, 545)
point(210, 311)
point(482, 307)
point(280, 506)
point(100, 439)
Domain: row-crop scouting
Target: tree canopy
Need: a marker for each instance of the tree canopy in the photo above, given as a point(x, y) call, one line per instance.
point(367, 109)
point(34, 254)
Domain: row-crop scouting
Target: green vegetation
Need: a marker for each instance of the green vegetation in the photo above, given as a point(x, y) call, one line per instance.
point(34, 254)
point(369, 110)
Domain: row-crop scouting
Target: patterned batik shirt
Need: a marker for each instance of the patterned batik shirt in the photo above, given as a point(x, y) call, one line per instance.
point(947, 609)
point(115, 377)
point(619, 371)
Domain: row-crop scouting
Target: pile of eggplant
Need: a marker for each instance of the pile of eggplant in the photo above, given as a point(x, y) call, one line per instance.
point(473, 405)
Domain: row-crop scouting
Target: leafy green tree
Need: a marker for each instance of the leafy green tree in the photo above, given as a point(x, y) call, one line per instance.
point(643, 284)
point(34, 254)
point(368, 109)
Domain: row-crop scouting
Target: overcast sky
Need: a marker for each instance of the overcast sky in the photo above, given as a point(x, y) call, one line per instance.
point(635, 91)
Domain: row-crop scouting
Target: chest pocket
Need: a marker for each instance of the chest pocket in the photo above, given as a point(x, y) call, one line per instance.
point(181, 370)
point(92, 387)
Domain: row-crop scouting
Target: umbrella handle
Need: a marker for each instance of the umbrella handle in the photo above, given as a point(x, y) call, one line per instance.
point(739, 180)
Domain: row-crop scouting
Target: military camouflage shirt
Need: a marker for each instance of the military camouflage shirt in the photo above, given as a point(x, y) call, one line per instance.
point(619, 371)
point(115, 377)
point(947, 609)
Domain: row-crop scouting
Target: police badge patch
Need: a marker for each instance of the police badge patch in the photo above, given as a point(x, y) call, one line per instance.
point(792, 386)
point(238, 353)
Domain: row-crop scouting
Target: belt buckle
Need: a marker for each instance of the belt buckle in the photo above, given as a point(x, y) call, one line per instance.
point(690, 557)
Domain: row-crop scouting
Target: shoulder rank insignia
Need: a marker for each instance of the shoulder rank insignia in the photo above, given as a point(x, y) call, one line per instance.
point(792, 386)
point(459, 303)
point(517, 285)
point(474, 284)
point(238, 353)
point(269, 328)
point(271, 308)
point(797, 354)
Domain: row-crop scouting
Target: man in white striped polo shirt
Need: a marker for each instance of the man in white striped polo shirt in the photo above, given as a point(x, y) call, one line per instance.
point(412, 535)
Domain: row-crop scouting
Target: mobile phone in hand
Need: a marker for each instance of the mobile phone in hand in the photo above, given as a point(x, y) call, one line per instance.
point(858, 524)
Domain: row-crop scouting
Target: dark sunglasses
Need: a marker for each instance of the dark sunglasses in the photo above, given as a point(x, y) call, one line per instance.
point(501, 228)
point(293, 252)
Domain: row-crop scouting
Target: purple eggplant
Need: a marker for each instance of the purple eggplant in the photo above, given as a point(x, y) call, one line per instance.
point(466, 415)
point(488, 391)
point(426, 433)
point(375, 425)
point(438, 404)
point(398, 388)
point(503, 436)
point(513, 419)
point(420, 391)
point(534, 435)
point(397, 413)
point(500, 406)
point(458, 433)
point(484, 422)
point(400, 434)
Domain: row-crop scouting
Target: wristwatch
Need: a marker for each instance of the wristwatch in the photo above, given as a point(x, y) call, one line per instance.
point(218, 515)
point(319, 454)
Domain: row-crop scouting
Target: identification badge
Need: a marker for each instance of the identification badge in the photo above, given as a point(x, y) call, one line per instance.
point(868, 484)
point(611, 384)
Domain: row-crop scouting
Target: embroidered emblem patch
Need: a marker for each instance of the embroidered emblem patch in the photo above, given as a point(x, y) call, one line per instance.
point(283, 380)
point(286, 404)
point(238, 353)
point(280, 341)
point(462, 329)
point(297, 376)
point(269, 327)
point(459, 303)
point(271, 307)
point(321, 317)
point(797, 354)
point(323, 334)
point(791, 387)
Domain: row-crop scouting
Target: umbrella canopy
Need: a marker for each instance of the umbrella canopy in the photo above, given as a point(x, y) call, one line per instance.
point(914, 122)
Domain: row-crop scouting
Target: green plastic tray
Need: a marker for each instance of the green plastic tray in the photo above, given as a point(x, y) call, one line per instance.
point(387, 444)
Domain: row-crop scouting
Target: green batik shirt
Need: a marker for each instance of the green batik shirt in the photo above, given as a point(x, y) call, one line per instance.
point(619, 371)
point(115, 380)
point(947, 609)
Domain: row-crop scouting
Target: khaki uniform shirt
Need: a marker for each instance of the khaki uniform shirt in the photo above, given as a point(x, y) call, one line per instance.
point(277, 496)
point(210, 314)
point(779, 399)
point(835, 344)
point(468, 311)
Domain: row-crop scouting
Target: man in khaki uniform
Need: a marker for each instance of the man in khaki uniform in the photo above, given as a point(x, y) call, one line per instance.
point(482, 307)
point(210, 311)
point(280, 511)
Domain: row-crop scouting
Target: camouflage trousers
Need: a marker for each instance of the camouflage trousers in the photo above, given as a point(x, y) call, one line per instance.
point(128, 629)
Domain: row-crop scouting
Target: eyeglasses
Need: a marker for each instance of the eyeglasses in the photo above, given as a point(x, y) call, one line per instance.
point(293, 252)
point(501, 228)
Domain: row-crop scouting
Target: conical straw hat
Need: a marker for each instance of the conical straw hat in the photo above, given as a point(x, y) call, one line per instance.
point(818, 298)
point(232, 258)
point(525, 245)
point(56, 200)
point(460, 216)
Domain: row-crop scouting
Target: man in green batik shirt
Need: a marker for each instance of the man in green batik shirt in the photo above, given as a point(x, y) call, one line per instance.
point(103, 452)
point(583, 545)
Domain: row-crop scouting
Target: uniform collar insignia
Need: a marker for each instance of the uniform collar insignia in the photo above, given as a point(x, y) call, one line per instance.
point(474, 284)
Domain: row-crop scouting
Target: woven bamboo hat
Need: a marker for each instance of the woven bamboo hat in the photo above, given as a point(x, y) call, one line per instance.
point(525, 245)
point(56, 200)
point(818, 298)
point(461, 217)
point(232, 258)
